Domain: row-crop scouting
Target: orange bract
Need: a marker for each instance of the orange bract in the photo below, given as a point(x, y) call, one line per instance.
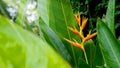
point(74, 30)
point(80, 32)
point(77, 18)
point(89, 37)
point(84, 22)
point(74, 43)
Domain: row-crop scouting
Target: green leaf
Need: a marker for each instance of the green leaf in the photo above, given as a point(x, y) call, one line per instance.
point(119, 39)
point(55, 41)
point(21, 49)
point(110, 15)
point(90, 50)
point(99, 63)
point(43, 10)
point(57, 14)
point(3, 9)
point(60, 16)
point(21, 16)
point(109, 45)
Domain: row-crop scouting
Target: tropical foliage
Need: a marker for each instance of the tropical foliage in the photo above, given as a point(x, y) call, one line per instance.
point(59, 34)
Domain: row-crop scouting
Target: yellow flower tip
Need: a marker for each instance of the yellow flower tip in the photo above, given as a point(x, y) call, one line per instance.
point(76, 44)
point(74, 31)
point(77, 18)
point(89, 37)
point(84, 22)
point(81, 33)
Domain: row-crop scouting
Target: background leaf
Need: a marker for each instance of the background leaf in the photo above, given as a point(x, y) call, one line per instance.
point(4, 11)
point(110, 15)
point(21, 15)
point(91, 51)
point(43, 10)
point(109, 45)
point(21, 49)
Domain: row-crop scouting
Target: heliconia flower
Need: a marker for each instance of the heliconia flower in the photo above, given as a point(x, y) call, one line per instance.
point(74, 30)
point(75, 43)
point(77, 18)
point(88, 37)
point(84, 22)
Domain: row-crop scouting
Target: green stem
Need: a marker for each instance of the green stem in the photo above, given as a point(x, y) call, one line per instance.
point(85, 56)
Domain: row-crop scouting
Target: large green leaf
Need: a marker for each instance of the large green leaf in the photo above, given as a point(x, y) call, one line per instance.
point(57, 14)
point(21, 49)
point(60, 16)
point(57, 20)
point(110, 15)
point(109, 45)
point(54, 40)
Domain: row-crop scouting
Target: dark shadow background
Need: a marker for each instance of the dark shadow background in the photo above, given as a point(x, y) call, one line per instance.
point(93, 9)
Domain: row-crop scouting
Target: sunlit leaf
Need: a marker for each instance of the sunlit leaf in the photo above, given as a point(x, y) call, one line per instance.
point(21, 49)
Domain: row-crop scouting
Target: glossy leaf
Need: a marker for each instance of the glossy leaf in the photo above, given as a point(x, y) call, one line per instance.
point(57, 14)
point(55, 41)
point(21, 49)
point(60, 16)
point(54, 14)
point(109, 45)
point(110, 15)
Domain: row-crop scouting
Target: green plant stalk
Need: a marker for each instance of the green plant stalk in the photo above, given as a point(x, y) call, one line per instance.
point(85, 55)
point(73, 51)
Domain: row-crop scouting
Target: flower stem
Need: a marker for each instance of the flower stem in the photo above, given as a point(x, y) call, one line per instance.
point(85, 56)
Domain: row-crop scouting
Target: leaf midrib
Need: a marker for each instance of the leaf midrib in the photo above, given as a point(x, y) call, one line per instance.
point(68, 31)
point(111, 48)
